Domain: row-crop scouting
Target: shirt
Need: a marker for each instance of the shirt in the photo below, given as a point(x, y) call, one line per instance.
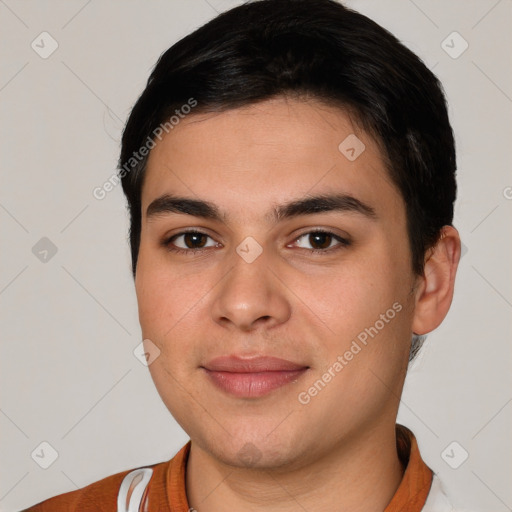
point(419, 491)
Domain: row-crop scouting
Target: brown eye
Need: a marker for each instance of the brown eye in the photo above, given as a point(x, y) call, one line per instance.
point(321, 241)
point(189, 242)
point(194, 240)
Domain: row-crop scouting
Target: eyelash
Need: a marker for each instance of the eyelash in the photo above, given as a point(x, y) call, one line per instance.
point(343, 242)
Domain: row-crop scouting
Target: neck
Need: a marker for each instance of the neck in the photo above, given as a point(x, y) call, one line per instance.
point(360, 474)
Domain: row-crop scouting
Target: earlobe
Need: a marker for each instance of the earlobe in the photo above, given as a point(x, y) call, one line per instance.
point(435, 290)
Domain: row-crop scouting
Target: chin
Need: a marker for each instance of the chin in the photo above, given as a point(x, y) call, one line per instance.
point(254, 451)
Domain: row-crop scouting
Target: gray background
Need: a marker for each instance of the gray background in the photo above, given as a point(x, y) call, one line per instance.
point(69, 320)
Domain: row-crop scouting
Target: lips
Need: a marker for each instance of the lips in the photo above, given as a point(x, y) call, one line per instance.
point(254, 377)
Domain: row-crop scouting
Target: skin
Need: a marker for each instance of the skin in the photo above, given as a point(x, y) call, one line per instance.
point(338, 451)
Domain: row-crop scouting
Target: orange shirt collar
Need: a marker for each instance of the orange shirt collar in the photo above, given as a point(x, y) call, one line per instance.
point(410, 495)
point(413, 490)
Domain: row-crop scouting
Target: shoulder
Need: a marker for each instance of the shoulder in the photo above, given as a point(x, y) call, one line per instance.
point(98, 496)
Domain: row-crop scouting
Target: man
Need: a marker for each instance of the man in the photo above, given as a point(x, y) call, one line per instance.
point(290, 177)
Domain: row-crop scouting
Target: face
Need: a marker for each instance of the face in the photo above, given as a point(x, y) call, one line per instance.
point(282, 323)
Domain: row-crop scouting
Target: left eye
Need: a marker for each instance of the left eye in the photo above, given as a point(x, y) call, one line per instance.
point(321, 241)
point(192, 240)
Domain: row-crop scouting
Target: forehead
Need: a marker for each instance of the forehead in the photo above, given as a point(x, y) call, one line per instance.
point(270, 152)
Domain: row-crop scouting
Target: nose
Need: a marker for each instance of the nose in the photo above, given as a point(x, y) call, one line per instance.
point(250, 296)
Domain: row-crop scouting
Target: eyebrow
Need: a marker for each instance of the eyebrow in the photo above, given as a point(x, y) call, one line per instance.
point(309, 205)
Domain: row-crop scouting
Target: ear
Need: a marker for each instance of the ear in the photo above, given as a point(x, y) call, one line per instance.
point(434, 289)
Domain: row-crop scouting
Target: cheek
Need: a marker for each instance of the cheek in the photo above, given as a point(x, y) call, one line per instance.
point(367, 303)
point(153, 298)
point(165, 316)
point(350, 298)
point(171, 313)
point(162, 294)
